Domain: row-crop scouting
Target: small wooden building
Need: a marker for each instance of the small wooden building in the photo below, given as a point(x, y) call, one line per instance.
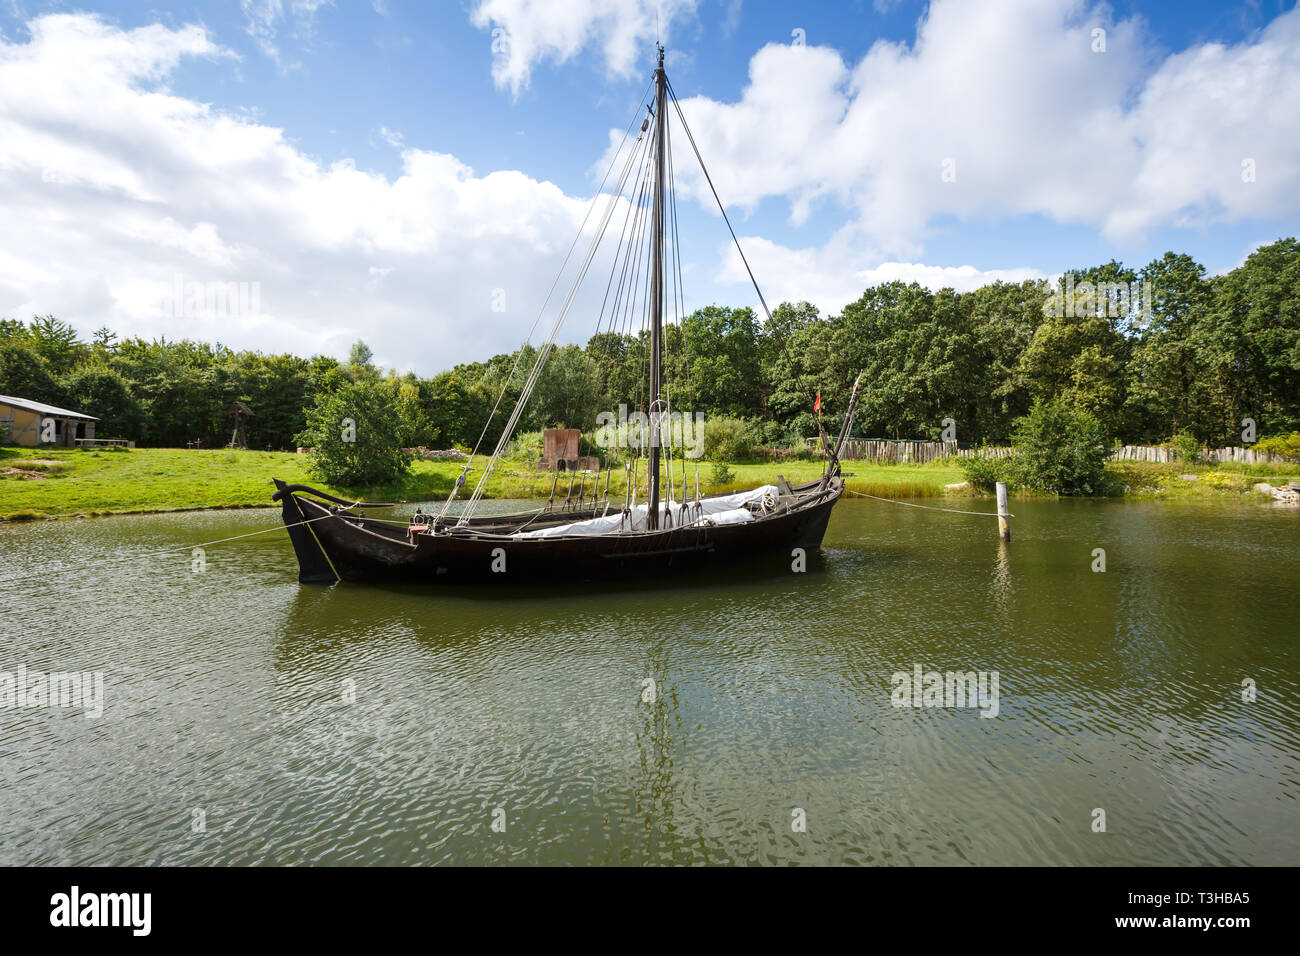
point(36, 423)
point(560, 452)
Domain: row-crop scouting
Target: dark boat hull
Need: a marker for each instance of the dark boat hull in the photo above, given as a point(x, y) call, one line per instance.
point(336, 545)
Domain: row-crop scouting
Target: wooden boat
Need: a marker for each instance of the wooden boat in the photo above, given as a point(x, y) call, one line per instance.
point(335, 541)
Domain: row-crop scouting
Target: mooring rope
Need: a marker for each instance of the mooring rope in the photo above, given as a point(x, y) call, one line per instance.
point(188, 547)
point(908, 504)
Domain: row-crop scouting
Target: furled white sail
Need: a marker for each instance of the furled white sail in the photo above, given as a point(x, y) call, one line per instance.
point(726, 509)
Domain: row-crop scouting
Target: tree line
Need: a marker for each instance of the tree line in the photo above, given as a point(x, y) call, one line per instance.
point(1152, 352)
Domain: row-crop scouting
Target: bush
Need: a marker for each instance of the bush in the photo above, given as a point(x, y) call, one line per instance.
point(1060, 449)
point(526, 446)
point(773, 435)
point(985, 472)
point(355, 435)
point(1288, 446)
point(728, 439)
point(722, 475)
point(1185, 447)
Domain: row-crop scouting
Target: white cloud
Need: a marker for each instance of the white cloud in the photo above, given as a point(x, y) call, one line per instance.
point(1033, 121)
point(114, 188)
point(265, 18)
point(832, 276)
point(528, 32)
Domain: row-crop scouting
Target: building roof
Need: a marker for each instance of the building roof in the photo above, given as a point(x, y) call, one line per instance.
point(43, 409)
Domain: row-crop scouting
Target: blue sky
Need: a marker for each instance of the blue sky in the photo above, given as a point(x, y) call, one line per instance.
point(828, 155)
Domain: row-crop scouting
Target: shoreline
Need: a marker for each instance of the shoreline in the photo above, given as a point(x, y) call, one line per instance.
point(52, 484)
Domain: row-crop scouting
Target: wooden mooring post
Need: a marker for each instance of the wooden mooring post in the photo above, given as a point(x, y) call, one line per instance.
point(1004, 514)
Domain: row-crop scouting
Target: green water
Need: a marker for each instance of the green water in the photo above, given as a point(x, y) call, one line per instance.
point(227, 700)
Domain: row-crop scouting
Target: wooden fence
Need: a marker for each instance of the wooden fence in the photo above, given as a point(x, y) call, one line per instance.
point(919, 452)
point(915, 452)
point(1165, 455)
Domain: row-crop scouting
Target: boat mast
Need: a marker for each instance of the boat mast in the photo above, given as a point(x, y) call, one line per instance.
point(657, 291)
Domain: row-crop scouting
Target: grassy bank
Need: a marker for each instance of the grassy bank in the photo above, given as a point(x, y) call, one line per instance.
point(1150, 480)
point(58, 482)
point(43, 483)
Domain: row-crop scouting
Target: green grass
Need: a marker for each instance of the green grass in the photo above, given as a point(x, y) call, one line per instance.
point(152, 479)
point(57, 482)
point(75, 482)
point(1152, 480)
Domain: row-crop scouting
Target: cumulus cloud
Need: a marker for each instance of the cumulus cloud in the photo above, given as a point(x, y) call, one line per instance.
point(115, 189)
point(1044, 109)
point(619, 32)
point(114, 186)
point(833, 275)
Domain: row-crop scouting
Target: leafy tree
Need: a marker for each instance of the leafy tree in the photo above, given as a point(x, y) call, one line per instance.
point(1163, 391)
point(276, 388)
point(453, 408)
point(355, 436)
point(360, 363)
point(14, 332)
point(24, 374)
point(104, 339)
point(360, 354)
point(103, 393)
point(568, 391)
point(414, 426)
point(913, 348)
point(1082, 359)
point(1004, 317)
point(1254, 351)
point(56, 342)
point(809, 363)
point(720, 347)
point(609, 350)
point(776, 339)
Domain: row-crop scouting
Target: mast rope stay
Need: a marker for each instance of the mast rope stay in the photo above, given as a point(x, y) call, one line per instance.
point(505, 385)
point(672, 93)
point(709, 179)
point(545, 350)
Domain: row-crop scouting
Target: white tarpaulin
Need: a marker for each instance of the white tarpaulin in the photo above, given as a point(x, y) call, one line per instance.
point(727, 509)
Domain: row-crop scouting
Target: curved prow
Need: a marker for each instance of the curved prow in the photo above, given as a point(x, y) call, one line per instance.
point(282, 489)
point(313, 563)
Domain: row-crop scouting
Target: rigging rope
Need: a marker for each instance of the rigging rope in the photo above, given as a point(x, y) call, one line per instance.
point(672, 93)
point(709, 179)
point(505, 386)
point(544, 352)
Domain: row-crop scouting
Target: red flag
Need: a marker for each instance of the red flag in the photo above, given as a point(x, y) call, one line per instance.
point(817, 405)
